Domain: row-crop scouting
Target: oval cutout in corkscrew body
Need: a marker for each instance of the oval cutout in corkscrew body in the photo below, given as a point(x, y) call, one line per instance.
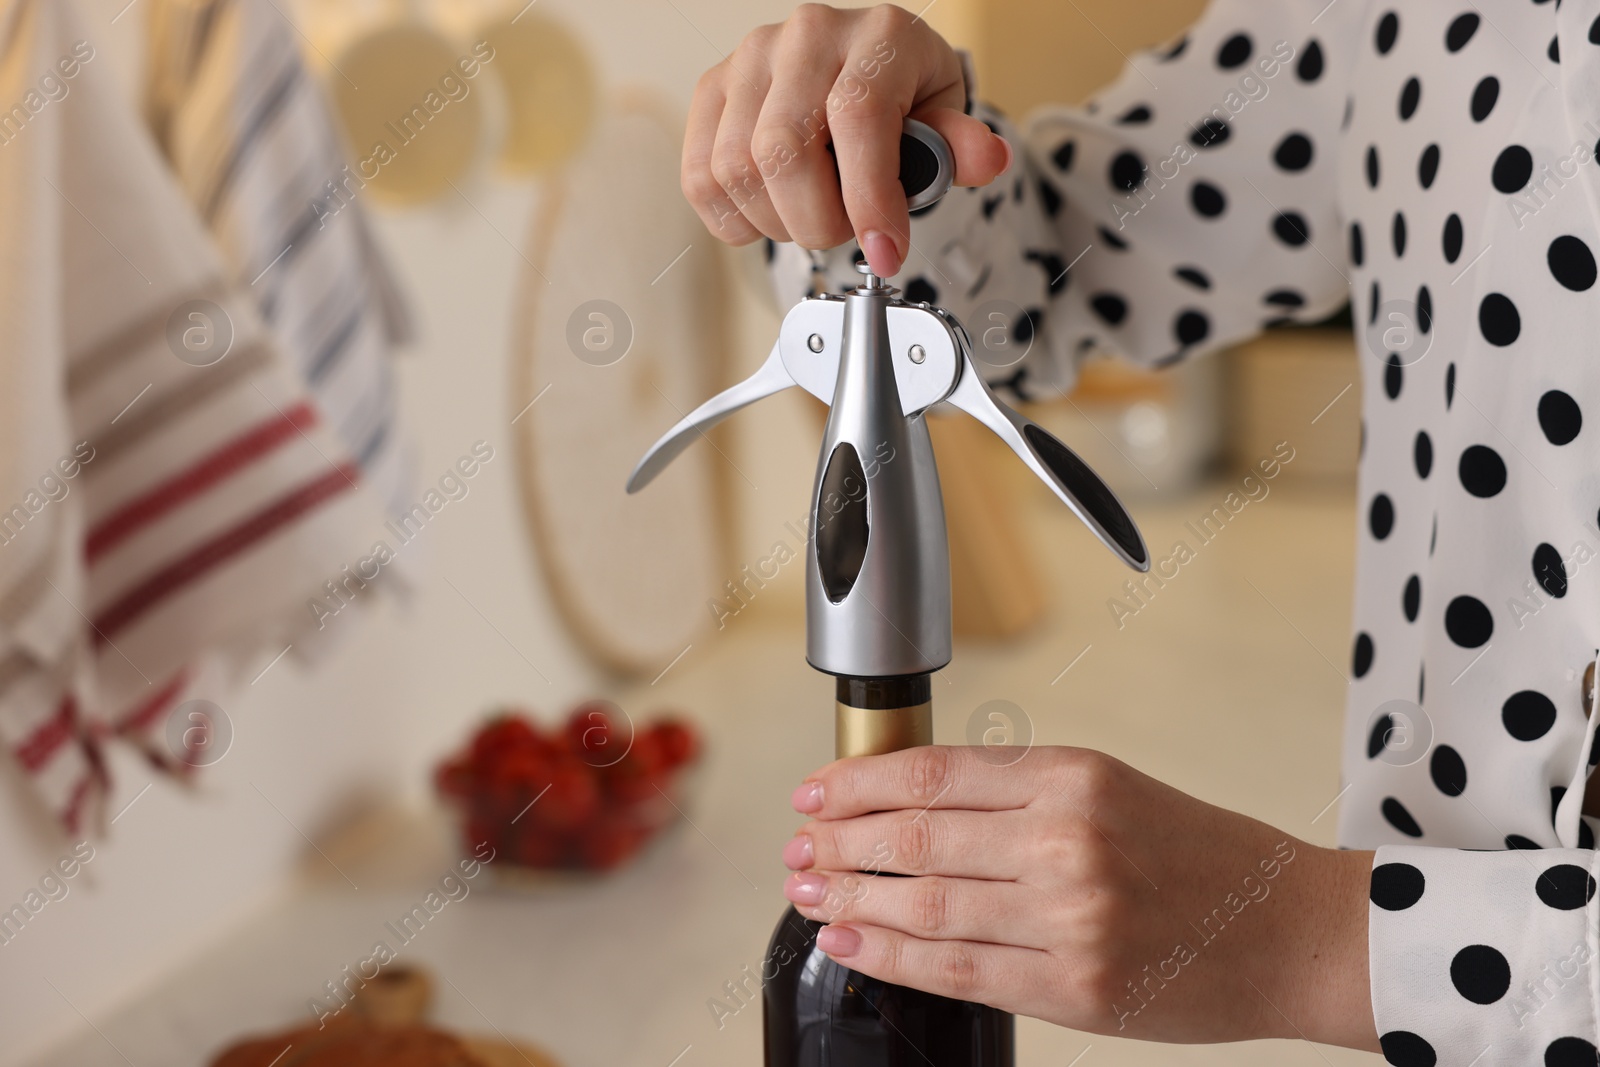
point(842, 524)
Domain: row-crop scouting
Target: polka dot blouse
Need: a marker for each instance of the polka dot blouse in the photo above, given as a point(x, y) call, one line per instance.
point(1434, 164)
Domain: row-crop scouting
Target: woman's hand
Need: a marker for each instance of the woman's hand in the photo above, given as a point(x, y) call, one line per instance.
point(755, 158)
point(1070, 887)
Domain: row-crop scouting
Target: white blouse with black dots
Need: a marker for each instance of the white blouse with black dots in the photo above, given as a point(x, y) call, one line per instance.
point(1433, 163)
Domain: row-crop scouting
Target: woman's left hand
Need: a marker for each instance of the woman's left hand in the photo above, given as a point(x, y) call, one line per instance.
point(1070, 887)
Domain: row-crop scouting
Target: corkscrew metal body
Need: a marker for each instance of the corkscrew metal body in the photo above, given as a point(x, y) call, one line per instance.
point(878, 566)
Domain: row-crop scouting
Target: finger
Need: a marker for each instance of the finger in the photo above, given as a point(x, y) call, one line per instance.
point(791, 136)
point(927, 776)
point(981, 155)
point(700, 187)
point(959, 844)
point(932, 908)
point(733, 164)
point(1002, 976)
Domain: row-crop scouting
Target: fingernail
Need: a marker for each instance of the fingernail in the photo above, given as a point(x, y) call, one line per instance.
point(805, 888)
point(807, 798)
point(838, 940)
point(1011, 156)
point(797, 853)
point(881, 252)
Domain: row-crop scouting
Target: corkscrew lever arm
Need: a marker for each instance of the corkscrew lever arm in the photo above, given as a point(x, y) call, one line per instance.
point(771, 378)
point(1068, 476)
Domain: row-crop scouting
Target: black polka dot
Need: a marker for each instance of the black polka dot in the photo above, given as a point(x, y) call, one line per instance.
point(1433, 538)
point(1499, 320)
point(1482, 471)
point(1135, 116)
point(1235, 52)
point(1111, 238)
point(1483, 98)
point(1428, 166)
point(1310, 66)
point(1571, 262)
point(1410, 96)
point(1399, 818)
point(1396, 886)
point(1424, 309)
point(1517, 841)
point(1379, 737)
point(1380, 516)
point(1209, 133)
point(1397, 234)
point(1481, 974)
point(1207, 199)
point(1049, 198)
point(1358, 252)
point(1549, 571)
point(1570, 1051)
point(1512, 169)
point(1402, 1048)
point(1422, 454)
point(1291, 228)
point(1468, 622)
point(1191, 327)
point(1284, 298)
point(1194, 276)
point(1449, 386)
point(1554, 51)
point(1361, 656)
point(1559, 417)
point(1528, 715)
point(1111, 308)
point(1461, 31)
point(1411, 599)
point(1448, 770)
point(1062, 157)
point(920, 289)
point(1567, 887)
point(1452, 238)
point(1293, 152)
point(1127, 171)
point(1372, 166)
point(1393, 376)
point(1175, 51)
point(1373, 300)
point(1388, 30)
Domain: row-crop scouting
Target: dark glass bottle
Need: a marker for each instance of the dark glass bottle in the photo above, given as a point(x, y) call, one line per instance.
point(819, 1013)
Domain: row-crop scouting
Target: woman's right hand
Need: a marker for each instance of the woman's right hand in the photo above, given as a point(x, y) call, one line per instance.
point(755, 157)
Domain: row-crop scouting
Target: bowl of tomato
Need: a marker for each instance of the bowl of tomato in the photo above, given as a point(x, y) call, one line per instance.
point(585, 795)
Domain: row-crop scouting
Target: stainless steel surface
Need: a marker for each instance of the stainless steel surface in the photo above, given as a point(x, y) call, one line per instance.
point(946, 173)
point(896, 617)
point(878, 561)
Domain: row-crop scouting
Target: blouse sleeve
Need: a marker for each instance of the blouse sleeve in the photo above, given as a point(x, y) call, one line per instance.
point(1185, 207)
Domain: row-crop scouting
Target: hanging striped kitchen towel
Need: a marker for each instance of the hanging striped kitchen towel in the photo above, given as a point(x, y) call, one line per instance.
point(171, 497)
point(252, 137)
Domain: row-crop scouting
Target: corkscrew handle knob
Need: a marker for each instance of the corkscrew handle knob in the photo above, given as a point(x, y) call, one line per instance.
point(927, 169)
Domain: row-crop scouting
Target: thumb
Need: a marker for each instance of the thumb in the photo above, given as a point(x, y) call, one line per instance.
point(980, 154)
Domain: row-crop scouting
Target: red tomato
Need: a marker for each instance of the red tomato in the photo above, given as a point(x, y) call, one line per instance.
point(506, 733)
point(677, 740)
point(593, 732)
point(572, 799)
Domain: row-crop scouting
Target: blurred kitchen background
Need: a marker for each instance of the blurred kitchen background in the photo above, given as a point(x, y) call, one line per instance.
point(221, 903)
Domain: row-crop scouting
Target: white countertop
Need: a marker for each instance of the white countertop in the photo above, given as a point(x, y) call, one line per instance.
point(1224, 685)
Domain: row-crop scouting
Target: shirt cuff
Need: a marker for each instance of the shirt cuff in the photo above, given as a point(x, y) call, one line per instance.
point(1484, 957)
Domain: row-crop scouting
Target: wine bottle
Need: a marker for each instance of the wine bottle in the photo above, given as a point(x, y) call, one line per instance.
point(817, 1012)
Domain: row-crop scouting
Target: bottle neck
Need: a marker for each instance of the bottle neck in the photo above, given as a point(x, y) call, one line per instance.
point(877, 715)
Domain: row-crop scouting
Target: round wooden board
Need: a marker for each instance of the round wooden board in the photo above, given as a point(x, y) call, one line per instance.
point(632, 576)
point(412, 140)
point(550, 90)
